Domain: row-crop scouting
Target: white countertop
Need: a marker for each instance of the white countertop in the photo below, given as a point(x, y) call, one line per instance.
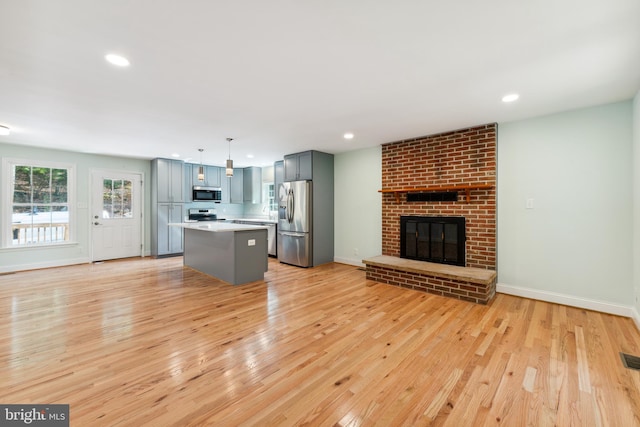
point(217, 226)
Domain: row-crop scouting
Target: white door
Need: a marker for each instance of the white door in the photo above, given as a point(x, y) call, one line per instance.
point(116, 215)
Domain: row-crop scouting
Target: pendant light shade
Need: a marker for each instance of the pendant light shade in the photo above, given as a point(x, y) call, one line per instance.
point(229, 161)
point(229, 167)
point(201, 168)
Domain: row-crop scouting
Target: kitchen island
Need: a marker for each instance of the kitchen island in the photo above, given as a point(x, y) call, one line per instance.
point(235, 253)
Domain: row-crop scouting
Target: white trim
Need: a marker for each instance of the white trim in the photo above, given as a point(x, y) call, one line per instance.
point(350, 261)
point(636, 317)
point(46, 264)
point(6, 187)
point(570, 300)
point(118, 172)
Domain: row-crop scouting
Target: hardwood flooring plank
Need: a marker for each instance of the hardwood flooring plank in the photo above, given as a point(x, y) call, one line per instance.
point(146, 341)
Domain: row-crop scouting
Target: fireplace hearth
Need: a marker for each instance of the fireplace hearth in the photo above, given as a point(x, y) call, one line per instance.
point(433, 238)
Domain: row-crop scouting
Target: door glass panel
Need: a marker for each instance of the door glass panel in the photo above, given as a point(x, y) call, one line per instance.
point(116, 198)
point(423, 240)
point(436, 241)
point(410, 239)
point(451, 242)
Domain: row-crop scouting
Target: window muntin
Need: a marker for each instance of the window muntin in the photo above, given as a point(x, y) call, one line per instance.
point(116, 198)
point(38, 201)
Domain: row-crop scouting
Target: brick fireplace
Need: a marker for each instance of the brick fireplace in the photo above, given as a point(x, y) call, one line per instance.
point(455, 159)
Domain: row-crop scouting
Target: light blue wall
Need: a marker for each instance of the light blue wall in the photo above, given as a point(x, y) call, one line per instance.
point(358, 205)
point(26, 258)
point(577, 240)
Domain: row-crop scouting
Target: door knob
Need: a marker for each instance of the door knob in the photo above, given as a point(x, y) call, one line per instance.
point(96, 217)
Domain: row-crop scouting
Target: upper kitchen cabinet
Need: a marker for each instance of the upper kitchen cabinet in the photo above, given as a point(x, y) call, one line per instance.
point(225, 185)
point(168, 181)
point(278, 173)
point(252, 184)
point(298, 166)
point(212, 176)
point(237, 186)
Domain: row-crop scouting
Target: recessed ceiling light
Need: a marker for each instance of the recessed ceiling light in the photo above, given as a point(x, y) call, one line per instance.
point(249, 156)
point(118, 60)
point(348, 135)
point(510, 97)
point(4, 130)
point(175, 155)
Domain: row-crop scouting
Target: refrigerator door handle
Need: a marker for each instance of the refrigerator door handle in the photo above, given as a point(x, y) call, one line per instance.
point(291, 233)
point(290, 204)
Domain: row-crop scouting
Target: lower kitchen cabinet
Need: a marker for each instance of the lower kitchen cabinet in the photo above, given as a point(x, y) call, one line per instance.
point(168, 240)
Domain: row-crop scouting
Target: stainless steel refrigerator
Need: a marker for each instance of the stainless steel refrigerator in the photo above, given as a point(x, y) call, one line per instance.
point(295, 223)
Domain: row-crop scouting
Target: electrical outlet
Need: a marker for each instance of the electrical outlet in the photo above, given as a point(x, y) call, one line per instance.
point(251, 242)
point(355, 251)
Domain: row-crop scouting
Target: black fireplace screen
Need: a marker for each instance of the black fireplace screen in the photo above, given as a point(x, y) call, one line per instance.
point(434, 239)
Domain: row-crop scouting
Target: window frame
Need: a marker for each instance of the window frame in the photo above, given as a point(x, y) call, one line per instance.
point(6, 236)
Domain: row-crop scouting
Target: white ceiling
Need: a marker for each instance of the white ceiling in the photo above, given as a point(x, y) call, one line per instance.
point(283, 76)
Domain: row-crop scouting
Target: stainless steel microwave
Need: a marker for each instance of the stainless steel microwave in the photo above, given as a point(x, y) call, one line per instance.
point(206, 194)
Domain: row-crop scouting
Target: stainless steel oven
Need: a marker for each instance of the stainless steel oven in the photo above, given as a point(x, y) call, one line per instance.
point(203, 215)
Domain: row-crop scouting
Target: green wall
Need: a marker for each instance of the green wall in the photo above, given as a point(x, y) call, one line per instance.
point(575, 245)
point(15, 259)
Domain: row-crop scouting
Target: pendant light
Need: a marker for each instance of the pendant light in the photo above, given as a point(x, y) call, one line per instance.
point(201, 168)
point(229, 161)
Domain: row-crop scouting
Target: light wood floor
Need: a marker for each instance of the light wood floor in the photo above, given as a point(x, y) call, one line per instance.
point(148, 342)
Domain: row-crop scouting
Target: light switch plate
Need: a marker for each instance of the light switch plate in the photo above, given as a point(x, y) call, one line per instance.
point(529, 203)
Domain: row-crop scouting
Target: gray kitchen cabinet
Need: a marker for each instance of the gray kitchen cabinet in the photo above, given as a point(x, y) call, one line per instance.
point(188, 195)
point(278, 173)
point(252, 184)
point(211, 176)
point(298, 166)
point(188, 184)
point(271, 233)
point(169, 180)
point(169, 239)
point(225, 186)
point(168, 192)
point(278, 178)
point(237, 186)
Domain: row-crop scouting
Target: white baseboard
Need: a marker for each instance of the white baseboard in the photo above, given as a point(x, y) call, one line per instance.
point(351, 261)
point(636, 318)
point(47, 264)
point(570, 300)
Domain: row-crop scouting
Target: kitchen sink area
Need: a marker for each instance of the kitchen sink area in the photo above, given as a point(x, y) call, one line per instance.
point(206, 216)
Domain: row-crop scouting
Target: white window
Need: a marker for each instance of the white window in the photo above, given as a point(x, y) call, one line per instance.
point(38, 202)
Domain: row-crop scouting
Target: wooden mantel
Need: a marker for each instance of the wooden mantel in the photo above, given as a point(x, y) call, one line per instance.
point(466, 188)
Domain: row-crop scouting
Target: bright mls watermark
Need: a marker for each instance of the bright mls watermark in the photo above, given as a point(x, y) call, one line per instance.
point(34, 415)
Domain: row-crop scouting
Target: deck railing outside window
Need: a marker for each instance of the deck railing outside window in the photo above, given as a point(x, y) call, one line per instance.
point(25, 234)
